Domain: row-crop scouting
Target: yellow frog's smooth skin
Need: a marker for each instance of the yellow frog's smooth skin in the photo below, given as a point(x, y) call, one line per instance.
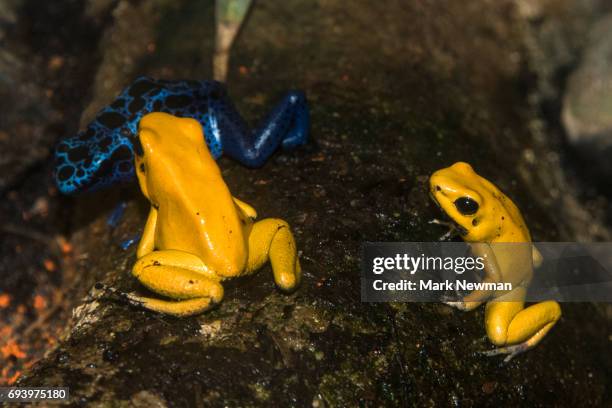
point(197, 234)
point(487, 219)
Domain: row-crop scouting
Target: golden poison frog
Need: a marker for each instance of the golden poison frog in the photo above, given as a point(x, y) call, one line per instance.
point(197, 234)
point(487, 219)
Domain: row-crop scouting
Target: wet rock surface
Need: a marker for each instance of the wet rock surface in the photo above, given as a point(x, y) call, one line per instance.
point(587, 109)
point(396, 92)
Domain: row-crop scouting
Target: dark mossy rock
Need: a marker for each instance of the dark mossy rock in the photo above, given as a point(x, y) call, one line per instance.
point(397, 90)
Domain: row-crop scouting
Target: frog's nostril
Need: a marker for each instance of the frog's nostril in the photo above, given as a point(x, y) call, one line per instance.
point(438, 188)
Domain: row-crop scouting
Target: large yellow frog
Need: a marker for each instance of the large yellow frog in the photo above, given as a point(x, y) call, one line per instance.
point(197, 234)
point(491, 222)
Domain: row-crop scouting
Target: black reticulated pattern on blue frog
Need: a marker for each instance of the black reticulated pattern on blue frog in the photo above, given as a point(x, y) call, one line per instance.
point(103, 153)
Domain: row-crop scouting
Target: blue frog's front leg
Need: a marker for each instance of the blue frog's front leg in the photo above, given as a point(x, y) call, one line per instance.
point(286, 126)
point(102, 154)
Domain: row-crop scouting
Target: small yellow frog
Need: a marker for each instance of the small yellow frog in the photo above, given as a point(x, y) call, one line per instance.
point(197, 233)
point(484, 216)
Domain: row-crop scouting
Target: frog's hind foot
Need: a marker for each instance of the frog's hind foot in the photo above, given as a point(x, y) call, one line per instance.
point(181, 278)
point(521, 329)
point(178, 308)
point(511, 351)
point(117, 295)
point(295, 103)
point(286, 126)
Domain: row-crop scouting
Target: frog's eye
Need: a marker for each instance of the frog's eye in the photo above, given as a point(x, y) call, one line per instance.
point(466, 205)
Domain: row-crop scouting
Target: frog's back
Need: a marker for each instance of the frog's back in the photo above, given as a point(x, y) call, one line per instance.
point(102, 153)
point(512, 248)
point(205, 222)
point(183, 98)
point(514, 228)
point(196, 212)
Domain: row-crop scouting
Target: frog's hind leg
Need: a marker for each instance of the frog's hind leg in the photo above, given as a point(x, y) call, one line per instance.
point(287, 126)
point(176, 275)
point(516, 328)
point(271, 239)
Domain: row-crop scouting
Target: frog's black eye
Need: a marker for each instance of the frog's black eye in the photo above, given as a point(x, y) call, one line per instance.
point(466, 205)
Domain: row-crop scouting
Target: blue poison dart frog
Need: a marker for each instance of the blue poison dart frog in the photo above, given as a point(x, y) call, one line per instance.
point(103, 154)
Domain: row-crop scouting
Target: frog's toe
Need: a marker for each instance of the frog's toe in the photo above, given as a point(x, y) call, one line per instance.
point(511, 351)
point(178, 308)
point(134, 299)
point(117, 295)
point(448, 300)
point(459, 305)
point(293, 142)
point(297, 137)
point(298, 134)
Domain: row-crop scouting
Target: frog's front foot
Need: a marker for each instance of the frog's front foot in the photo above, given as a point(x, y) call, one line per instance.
point(272, 240)
point(511, 351)
point(454, 304)
point(452, 229)
point(462, 305)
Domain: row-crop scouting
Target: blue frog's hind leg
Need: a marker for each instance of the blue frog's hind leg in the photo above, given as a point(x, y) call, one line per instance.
point(287, 126)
